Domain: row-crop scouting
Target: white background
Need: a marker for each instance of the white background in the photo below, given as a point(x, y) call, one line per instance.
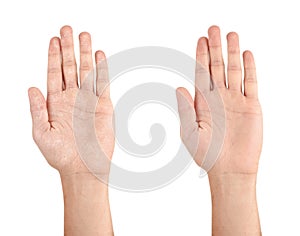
point(31, 200)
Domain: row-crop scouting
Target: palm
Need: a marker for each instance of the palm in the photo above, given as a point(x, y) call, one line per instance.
point(239, 129)
point(243, 134)
point(57, 143)
point(57, 127)
point(104, 126)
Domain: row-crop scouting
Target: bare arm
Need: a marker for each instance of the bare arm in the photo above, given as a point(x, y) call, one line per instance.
point(86, 204)
point(234, 206)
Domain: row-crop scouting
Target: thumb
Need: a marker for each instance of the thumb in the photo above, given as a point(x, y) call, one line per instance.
point(38, 109)
point(186, 111)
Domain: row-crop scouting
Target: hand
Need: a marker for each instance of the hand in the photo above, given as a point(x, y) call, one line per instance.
point(243, 117)
point(53, 129)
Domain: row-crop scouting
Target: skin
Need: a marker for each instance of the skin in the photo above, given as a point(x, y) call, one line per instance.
point(233, 176)
point(87, 209)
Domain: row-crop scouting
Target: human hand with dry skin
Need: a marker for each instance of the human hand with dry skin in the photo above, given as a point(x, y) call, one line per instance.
point(233, 174)
point(86, 197)
point(53, 129)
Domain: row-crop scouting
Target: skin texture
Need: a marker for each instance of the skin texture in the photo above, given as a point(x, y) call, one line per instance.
point(86, 197)
point(233, 176)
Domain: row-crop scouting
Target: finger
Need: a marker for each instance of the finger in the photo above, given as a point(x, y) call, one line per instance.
point(202, 54)
point(54, 80)
point(102, 79)
point(203, 114)
point(202, 81)
point(234, 71)
point(86, 62)
point(69, 62)
point(250, 81)
point(216, 58)
point(186, 111)
point(38, 111)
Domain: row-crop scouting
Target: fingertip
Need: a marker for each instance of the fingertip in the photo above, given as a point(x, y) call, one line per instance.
point(36, 99)
point(202, 44)
point(248, 54)
point(66, 30)
point(250, 80)
point(54, 43)
point(84, 35)
point(214, 39)
point(100, 56)
point(213, 29)
point(183, 92)
point(32, 92)
point(248, 58)
point(38, 109)
point(54, 40)
point(232, 35)
point(202, 47)
point(30, 89)
point(202, 40)
point(35, 93)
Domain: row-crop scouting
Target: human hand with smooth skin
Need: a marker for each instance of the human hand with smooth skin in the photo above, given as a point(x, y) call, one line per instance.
point(233, 176)
point(86, 197)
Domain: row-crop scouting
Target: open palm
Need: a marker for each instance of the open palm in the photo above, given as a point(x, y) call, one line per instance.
point(239, 128)
point(54, 120)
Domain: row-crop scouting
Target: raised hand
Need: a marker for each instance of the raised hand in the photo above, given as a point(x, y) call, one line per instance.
point(69, 126)
point(236, 122)
point(243, 117)
point(53, 129)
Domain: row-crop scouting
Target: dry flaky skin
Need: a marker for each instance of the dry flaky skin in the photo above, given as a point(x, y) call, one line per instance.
point(233, 176)
point(53, 131)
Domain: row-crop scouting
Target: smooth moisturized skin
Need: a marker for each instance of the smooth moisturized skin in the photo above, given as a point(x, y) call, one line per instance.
point(233, 176)
point(87, 210)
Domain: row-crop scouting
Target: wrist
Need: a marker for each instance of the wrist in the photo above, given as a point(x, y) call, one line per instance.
point(234, 205)
point(86, 205)
point(84, 183)
point(236, 181)
point(233, 185)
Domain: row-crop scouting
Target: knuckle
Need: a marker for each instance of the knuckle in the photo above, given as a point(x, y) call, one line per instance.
point(85, 66)
point(69, 62)
point(217, 62)
point(233, 50)
point(251, 79)
point(54, 70)
point(234, 68)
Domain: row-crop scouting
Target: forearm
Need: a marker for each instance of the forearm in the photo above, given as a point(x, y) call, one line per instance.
point(234, 205)
point(86, 206)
